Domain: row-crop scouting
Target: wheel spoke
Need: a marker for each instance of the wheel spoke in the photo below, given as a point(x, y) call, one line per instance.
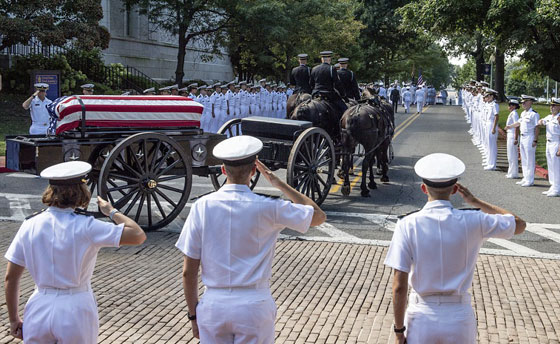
point(173, 177)
point(110, 199)
point(127, 167)
point(121, 202)
point(149, 205)
point(123, 177)
point(139, 209)
point(164, 158)
point(300, 175)
point(166, 198)
point(154, 156)
point(318, 144)
point(120, 188)
point(135, 158)
point(145, 150)
point(307, 163)
point(129, 208)
point(156, 199)
point(170, 188)
point(324, 162)
point(169, 167)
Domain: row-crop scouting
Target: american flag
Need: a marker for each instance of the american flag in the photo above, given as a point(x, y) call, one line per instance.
point(420, 80)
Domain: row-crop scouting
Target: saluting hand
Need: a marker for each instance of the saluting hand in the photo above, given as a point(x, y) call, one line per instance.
point(465, 193)
point(104, 206)
point(268, 174)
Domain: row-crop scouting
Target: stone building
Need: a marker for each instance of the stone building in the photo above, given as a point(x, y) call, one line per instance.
point(137, 43)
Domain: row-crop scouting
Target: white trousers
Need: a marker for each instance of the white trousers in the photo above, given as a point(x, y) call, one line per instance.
point(419, 105)
point(236, 316)
point(513, 156)
point(407, 106)
point(553, 163)
point(60, 318)
point(528, 158)
point(440, 323)
point(38, 129)
point(244, 111)
point(491, 146)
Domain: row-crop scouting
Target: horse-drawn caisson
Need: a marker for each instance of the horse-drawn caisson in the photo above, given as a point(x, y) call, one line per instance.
point(145, 149)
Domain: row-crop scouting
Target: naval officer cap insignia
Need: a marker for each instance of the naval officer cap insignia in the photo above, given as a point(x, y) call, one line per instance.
point(439, 170)
point(41, 86)
point(343, 60)
point(67, 173)
point(514, 102)
point(525, 97)
point(238, 150)
point(88, 86)
point(555, 101)
point(489, 91)
point(303, 56)
point(326, 53)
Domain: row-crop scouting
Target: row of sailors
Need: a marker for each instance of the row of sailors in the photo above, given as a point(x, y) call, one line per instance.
point(522, 131)
point(225, 102)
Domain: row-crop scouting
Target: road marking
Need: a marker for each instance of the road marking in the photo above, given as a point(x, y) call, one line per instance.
point(546, 233)
point(510, 245)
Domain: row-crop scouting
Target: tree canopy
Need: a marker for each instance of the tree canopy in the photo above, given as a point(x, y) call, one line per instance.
point(52, 22)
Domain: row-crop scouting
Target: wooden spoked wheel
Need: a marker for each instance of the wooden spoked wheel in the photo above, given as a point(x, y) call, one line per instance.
point(148, 177)
point(311, 164)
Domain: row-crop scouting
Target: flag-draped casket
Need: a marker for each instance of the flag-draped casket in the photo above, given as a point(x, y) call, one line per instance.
point(125, 111)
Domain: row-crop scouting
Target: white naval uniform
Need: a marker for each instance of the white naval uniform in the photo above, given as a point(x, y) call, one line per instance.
point(230, 104)
point(40, 117)
point(253, 104)
point(59, 248)
point(512, 148)
point(438, 246)
point(528, 121)
point(407, 98)
point(492, 110)
point(214, 120)
point(233, 232)
point(552, 160)
point(420, 98)
point(204, 119)
point(244, 102)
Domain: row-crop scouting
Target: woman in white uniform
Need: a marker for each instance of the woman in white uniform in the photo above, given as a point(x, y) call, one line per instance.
point(59, 248)
point(552, 123)
point(512, 140)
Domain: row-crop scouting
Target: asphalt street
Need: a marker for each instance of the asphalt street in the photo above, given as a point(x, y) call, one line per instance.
point(370, 221)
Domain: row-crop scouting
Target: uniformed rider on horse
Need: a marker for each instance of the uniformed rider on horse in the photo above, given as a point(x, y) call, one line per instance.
point(348, 80)
point(300, 75)
point(325, 83)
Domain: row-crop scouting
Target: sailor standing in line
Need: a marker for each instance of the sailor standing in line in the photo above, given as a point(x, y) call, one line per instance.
point(438, 246)
point(224, 107)
point(552, 123)
point(420, 98)
point(512, 140)
point(231, 235)
point(407, 99)
point(529, 137)
point(253, 105)
point(59, 248)
point(193, 90)
point(203, 99)
point(491, 129)
point(87, 89)
point(37, 106)
point(237, 101)
point(268, 100)
point(262, 95)
point(149, 91)
point(215, 118)
point(244, 100)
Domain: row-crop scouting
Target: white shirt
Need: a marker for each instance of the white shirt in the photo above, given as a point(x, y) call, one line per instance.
point(59, 247)
point(492, 109)
point(420, 94)
point(513, 117)
point(39, 113)
point(439, 245)
point(233, 232)
point(552, 127)
point(407, 96)
point(528, 121)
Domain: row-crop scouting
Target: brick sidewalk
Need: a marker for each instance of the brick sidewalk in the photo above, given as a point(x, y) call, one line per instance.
point(325, 292)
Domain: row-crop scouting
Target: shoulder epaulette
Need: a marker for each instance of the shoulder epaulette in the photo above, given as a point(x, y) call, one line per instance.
point(475, 209)
point(405, 215)
point(35, 214)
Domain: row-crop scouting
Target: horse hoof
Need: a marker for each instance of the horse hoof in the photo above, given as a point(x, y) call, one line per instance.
point(365, 193)
point(345, 190)
point(372, 186)
point(340, 174)
point(385, 179)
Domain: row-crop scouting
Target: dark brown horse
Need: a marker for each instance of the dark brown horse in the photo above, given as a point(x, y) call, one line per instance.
point(321, 113)
point(294, 100)
point(369, 124)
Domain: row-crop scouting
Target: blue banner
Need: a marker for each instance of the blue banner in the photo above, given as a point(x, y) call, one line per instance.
point(53, 80)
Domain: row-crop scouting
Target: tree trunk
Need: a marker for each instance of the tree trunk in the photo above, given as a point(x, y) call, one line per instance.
point(479, 59)
point(181, 53)
point(500, 72)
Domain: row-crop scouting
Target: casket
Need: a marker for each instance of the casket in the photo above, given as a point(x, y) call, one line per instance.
point(126, 111)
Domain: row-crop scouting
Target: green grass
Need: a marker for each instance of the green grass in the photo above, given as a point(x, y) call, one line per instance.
point(543, 110)
point(14, 120)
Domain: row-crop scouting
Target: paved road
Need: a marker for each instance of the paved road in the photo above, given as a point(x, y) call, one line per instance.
point(354, 219)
